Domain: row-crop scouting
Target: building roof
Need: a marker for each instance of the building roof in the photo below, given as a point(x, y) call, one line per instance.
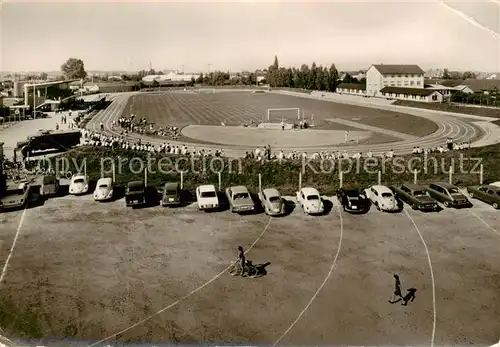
point(476, 85)
point(398, 69)
point(356, 86)
point(409, 91)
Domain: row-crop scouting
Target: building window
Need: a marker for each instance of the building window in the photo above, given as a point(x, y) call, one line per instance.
point(411, 83)
point(406, 76)
point(399, 84)
point(393, 84)
point(406, 83)
point(434, 97)
point(418, 83)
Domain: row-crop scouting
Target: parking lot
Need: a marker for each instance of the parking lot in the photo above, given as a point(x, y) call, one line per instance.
point(89, 270)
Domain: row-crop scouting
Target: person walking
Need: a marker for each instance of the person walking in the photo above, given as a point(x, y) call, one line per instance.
point(242, 260)
point(397, 291)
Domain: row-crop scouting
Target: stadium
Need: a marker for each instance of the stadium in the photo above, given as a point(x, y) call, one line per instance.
point(159, 274)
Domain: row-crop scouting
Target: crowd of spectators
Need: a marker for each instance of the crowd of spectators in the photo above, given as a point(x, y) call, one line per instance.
point(141, 126)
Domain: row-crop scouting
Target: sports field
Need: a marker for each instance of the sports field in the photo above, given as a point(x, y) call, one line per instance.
point(86, 270)
point(236, 108)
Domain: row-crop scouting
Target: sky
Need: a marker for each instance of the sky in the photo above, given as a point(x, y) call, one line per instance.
point(234, 36)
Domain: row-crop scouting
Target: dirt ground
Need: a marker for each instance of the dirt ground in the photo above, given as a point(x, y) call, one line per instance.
point(236, 108)
point(87, 270)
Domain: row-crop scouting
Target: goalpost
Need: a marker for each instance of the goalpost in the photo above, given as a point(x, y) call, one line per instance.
point(294, 111)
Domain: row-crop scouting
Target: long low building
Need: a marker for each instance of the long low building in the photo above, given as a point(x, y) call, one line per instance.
point(412, 94)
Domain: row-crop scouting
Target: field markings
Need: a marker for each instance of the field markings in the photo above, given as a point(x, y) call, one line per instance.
point(194, 291)
point(332, 268)
point(484, 222)
point(432, 276)
point(11, 251)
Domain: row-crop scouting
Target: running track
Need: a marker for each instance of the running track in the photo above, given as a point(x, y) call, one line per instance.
point(448, 126)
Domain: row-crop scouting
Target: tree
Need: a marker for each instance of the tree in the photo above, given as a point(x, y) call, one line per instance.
point(469, 75)
point(43, 76)
point(446, 75)
point(73, 68)
point(200, 79)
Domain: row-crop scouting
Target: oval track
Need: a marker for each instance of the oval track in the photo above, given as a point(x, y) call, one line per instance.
point(448, 126)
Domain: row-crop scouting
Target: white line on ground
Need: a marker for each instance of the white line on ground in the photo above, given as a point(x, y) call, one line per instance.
point(6, 265)
point(484, 222)
point(332, 268)
point(432, 277)
point(185, 296)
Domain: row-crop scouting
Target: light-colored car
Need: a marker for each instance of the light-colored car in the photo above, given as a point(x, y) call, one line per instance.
point(496, 184)
point(272, 202)
point(382, 198)
point(79, 184)
point(16, 195)
point(206, 197)
point(104, 189)
point(310, 201)
point(239, 199)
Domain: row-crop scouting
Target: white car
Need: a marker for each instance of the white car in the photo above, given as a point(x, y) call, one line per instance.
point(310, 201)
point(79, 184)
point(206, 197)
point(104, 189)
point(496, 184)
point(383, 198)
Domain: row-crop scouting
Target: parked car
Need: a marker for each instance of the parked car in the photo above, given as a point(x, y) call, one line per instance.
point(352, 200)
point(448, 194)
point(496, 184)
point(16, 195)
point(310, 201)
point(135, 194)
point(383, 198)
point(416, 196)
point(104, 189)
point(239, 199)
point(79, 184)
point(49, 185)
point(206, 197)
point(487, 193)
point(171, 194)
point(272, 202)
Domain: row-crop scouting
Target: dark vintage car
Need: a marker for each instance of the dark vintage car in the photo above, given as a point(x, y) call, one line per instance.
point(448, 194)
point(353, 200)
point(487, 193)
point(135, 194)
point(416, 196)
point(171, 194)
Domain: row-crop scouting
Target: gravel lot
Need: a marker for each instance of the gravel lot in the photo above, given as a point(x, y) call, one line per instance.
point(88, 270)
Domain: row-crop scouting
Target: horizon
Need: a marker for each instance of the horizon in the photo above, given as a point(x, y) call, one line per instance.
point(459, 36)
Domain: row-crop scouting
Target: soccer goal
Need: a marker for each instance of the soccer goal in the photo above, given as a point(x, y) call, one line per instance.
point(287, 115)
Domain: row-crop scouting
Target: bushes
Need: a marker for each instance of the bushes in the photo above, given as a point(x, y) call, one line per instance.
point(324, 175)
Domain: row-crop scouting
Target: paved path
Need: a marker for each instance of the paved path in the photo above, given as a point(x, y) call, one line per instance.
point(23, 129)
point(448, 126)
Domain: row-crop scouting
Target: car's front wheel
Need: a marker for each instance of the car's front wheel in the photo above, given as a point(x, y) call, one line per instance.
point(471, 194)
point(495, 206)
point(414, 206)
point(446, 204)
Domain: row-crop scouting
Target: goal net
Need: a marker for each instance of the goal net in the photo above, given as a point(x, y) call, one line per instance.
point(278, 115)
